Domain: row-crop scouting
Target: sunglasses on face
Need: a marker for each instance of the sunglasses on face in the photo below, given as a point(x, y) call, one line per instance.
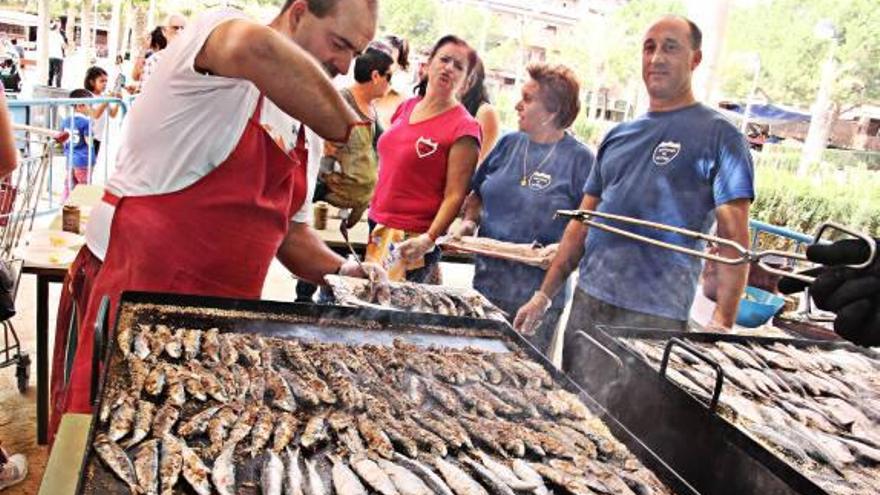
point(177, 28)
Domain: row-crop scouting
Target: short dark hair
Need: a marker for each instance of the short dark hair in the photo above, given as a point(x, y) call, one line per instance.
point(559, 91)
point(371, 60)
point(80, 93)
point(92, 74)
point(695, 34)
point(14, 41)
point(402, 47)
point(158, 41)
point(422, 87)
point(475, 94)
point(321, 8)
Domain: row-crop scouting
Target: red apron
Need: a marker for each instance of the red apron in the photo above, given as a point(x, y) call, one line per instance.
point(217, 237)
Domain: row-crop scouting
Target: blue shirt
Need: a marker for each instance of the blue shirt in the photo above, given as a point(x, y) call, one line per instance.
point(522, 214)
point(79, 128)
point(668, 167)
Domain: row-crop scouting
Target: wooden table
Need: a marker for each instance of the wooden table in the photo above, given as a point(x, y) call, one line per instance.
point(62, 470)
point(82, 196)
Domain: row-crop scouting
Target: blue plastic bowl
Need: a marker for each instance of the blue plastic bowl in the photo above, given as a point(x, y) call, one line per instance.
point(757, 307)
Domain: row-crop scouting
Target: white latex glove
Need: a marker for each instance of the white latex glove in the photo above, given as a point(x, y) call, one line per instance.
point(380, 288)
point(531, 313)
point(549, 251)
point(415, 248)
point(464, 228)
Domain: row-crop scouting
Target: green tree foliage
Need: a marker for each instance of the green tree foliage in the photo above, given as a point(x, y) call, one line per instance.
point(782, 32)
point(415, 20)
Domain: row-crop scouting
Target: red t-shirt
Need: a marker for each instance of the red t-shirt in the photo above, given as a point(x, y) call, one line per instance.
point(412, 166)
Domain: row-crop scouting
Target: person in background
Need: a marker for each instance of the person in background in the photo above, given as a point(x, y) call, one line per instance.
point(78, 149)
point(401, 87)
point(13, 468)
point(348, 172)
point(475, 98)
point(96, 83)
point(681, 164)
point(155, 44)
point(19, 50)
point(519, 186)
point(426, 159)
point(174, 24)
point(56, 55)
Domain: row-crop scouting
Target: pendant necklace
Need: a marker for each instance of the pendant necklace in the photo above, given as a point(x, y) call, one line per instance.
point(524, 181)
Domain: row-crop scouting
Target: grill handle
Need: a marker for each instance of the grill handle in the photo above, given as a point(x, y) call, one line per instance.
point(693, 351)
point(102, 322)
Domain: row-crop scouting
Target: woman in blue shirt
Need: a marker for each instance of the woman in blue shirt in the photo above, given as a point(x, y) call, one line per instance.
point(527, 177)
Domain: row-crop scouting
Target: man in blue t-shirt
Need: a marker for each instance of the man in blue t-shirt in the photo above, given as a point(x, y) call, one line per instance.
point(681, 164)
point(78, 149)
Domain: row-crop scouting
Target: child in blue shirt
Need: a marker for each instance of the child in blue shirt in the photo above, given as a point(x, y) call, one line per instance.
point(78, 148)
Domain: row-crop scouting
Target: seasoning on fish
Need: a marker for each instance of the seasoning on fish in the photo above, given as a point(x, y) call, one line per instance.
point(164, 420)
point(174, 345)
point(272, 474)
point(219, 426)
point(122, 419)
point(155, 381)
point(115, 459)
point(142, 342)
point(285, 428)
point(146, 467)
point(489, 478)
point(373, 475)
point(143, 420)
point(376, 439)
point(460, 482)
point(192, 342)
point(170, 463)
point(223, 472)
point(211, 345)
point(505, 474)
point(315, 431)
point(198, 423)
point(282, 397)
point(262, 430)
point(194, 470)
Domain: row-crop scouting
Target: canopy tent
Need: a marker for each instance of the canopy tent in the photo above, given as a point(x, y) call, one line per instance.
point(765, 113)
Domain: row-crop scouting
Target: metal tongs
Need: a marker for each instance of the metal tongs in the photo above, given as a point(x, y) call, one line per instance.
point(344, 215)
point(745, 256)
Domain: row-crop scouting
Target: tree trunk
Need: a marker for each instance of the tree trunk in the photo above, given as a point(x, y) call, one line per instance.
point(139, 32)
point(87, 38)
point(113, 35)
point(860, 140)
point(821, 120)
point(43, 41)
point(70, 27)
point(127, 46)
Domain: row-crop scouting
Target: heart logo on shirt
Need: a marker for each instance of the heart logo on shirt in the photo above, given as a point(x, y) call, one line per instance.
point(425, 147)
point(665, 152)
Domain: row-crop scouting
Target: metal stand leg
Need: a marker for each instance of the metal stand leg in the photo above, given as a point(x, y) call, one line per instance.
point(42, 359)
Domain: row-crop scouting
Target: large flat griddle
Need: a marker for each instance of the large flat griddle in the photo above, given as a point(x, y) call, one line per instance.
point(322, 323)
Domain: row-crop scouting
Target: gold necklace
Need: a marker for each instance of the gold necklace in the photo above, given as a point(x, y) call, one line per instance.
point(524, 181)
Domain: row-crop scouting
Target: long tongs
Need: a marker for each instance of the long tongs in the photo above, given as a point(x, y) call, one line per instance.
point(745, 256)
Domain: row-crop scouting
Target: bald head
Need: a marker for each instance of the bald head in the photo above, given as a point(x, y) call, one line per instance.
point(670, 54)
point(695, 35)
point(173, 25)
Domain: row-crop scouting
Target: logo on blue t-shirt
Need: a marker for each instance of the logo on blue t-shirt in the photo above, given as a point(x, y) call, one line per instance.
point(665, 152)
point(539, 181)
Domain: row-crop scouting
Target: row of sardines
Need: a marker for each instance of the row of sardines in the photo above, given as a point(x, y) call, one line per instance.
point(189, 410)
point(819, 409)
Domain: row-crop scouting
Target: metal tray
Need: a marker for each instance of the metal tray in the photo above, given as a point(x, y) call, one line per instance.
point(710, 452)
point(331, 324)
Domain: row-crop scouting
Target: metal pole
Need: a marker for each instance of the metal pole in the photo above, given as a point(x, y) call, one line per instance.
point(745, 120)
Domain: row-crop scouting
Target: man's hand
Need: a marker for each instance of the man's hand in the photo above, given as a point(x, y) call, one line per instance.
point(380, 288)
point(854, 295)
point(531, 313)
point(464, 228)
point(415, 248)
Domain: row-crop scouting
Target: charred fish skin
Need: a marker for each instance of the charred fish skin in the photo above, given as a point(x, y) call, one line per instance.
point(198, 423)
point(219, 427)
point(344, 479)
point(285, 428)
point(505, 474)
point(122, 419)
point(481, 472)
point(373, 475)
point(272, 474)
point(211, 345)
point(376, 439)
point(137, 372)
point(142, 422)
point(194, 470)
point(192, 343)
point(262, 430)
point(146, 467)
point(115, 459)
point(427, 475)
point(315, 432)
point(164, 420)
point(223, 472)
point(170, 463)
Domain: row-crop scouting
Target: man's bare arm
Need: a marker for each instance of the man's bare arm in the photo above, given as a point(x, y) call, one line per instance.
point(306, 255)
point(286, 73)
point(571, 249)
point(733, 223)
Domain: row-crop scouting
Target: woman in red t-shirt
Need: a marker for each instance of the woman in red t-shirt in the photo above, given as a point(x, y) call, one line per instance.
point(426, 159)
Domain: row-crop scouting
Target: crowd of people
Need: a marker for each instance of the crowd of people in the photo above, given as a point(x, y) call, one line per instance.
point(246, 129)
